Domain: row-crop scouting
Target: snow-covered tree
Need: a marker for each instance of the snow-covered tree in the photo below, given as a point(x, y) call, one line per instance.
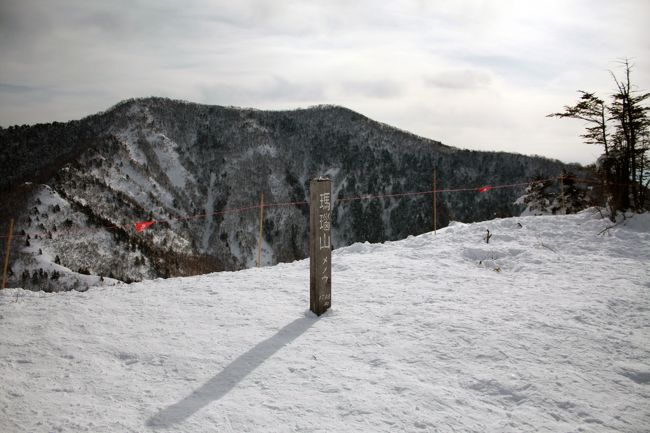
point(571, 198)
point(537, 199)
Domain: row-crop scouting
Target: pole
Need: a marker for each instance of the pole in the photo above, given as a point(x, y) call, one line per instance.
point(259, 246)
point(435, 211)
point(320, 245)
point(8, 250)
point(562, 194)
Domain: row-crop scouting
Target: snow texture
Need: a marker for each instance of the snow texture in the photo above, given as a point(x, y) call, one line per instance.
point(544, 328)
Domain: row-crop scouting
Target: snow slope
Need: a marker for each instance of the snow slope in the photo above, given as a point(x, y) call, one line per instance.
point(546, 328)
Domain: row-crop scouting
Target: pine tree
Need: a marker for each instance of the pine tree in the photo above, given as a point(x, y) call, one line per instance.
point(623, 129)
point(571, 199)
point(537, 199)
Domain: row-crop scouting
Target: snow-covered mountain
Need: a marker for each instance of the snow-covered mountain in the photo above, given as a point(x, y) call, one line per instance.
point(543, 329)
point(182, 164)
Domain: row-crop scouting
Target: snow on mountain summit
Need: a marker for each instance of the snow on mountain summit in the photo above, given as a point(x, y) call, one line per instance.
point(544, 328)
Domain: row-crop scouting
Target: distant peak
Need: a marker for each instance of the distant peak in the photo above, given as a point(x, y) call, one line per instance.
point(161, 100)
point(147, 100)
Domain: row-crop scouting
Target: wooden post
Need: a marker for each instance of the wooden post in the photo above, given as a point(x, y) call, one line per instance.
point(8, 250)
point(562, 194)
point(320, 245)
point(259, 246)
point(435, 211)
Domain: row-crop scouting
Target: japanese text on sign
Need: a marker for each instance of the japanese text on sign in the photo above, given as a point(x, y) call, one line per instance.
point(324, 237)
point(320, 245)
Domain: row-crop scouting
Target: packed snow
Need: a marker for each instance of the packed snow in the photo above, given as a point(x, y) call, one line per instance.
point(544, 328)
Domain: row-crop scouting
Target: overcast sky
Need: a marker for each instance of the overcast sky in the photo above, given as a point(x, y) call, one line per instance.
point(472, 74)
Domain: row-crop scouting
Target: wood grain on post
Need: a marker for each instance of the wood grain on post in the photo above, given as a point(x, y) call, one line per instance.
point(320, 245)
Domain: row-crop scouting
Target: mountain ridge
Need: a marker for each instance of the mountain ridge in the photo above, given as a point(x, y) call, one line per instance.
point(161, 159)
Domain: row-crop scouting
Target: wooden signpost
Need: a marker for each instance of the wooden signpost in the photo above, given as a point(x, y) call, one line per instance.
point(320, 245)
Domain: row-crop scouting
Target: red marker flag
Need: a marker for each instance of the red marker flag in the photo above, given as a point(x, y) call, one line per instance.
point(484, 188)
point(142, 225)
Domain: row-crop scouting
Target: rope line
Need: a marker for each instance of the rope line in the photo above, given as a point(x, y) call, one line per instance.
point(342, 200)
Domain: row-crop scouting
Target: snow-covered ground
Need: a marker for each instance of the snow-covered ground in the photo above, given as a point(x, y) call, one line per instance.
point(546, 328)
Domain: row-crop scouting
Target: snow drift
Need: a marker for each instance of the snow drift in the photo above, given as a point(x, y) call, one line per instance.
point(544, 328)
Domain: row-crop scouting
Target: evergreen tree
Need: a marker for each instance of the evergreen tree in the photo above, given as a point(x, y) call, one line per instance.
point(623, 129)
point(571, 198)
point(537, 199)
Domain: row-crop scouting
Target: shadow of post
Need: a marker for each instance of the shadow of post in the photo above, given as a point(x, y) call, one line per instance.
point(229, 377)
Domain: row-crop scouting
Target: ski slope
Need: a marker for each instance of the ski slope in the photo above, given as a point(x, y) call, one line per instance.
point(546, 328)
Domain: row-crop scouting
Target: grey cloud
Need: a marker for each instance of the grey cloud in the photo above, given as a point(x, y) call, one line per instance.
point(275, 89)
point(77, 24)
point(45, 92)
point(520, 69)
point(458, 79)
point(381, 89)
point(69, 57)
point(22, 25)
point(18, 88)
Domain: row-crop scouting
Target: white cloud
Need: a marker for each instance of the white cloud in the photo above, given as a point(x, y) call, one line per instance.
point(470, 73)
